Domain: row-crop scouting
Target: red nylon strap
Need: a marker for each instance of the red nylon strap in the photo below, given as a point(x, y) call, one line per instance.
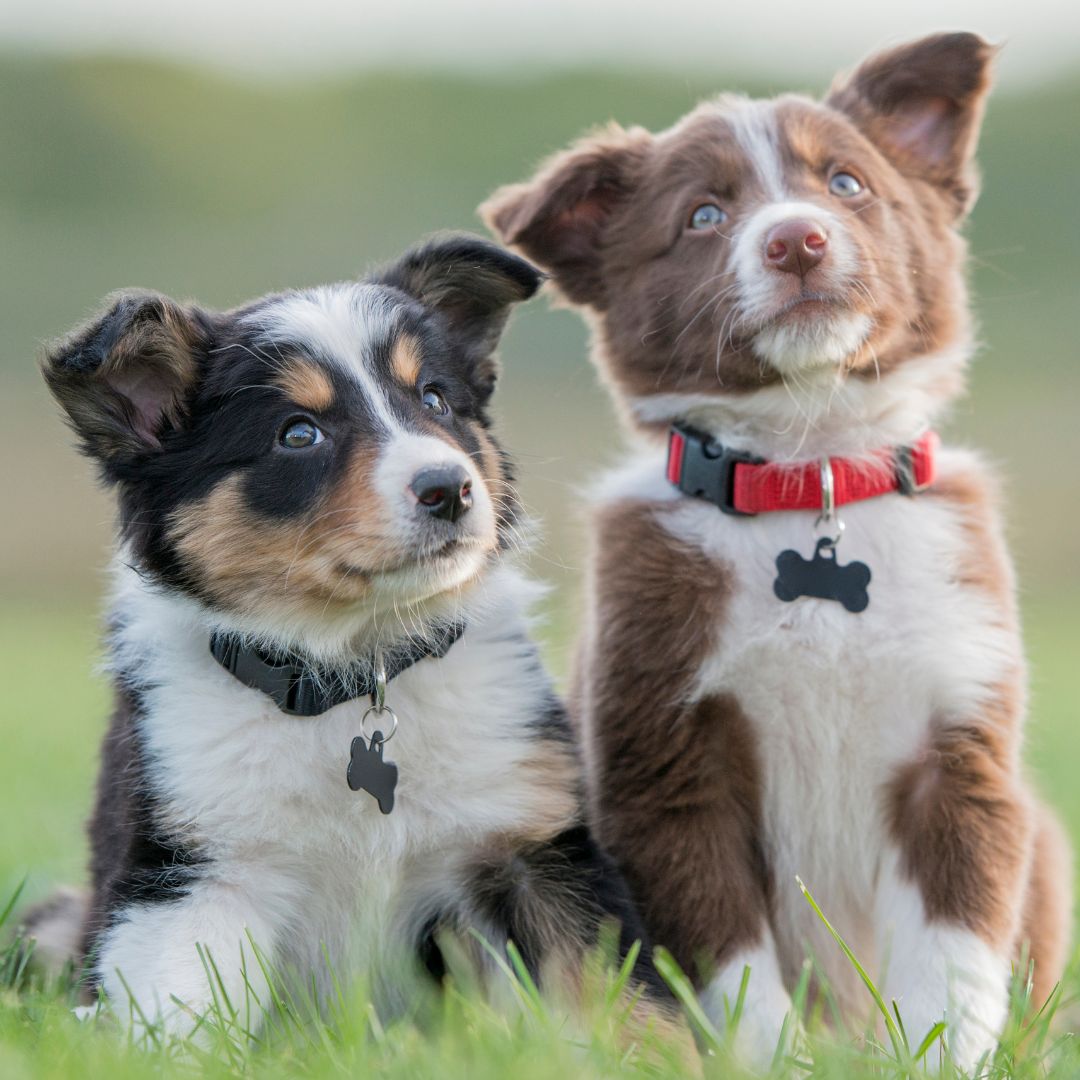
point(759, 489)
point(676, 447)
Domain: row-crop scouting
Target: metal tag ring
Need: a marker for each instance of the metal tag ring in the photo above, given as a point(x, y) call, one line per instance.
point(828, 517)
point(379, 710)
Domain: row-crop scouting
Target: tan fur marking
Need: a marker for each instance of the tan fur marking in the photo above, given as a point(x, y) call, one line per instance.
point(552, 779)
point(248, 563)
point(406, 359)
point(674, 785)
point(307, 385)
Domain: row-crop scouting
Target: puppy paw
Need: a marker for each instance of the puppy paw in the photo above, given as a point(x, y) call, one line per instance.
point(952, 976)
point(766, 1024)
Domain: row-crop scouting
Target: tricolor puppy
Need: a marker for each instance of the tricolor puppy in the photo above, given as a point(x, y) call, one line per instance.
point(776, 293)
point(333, 739)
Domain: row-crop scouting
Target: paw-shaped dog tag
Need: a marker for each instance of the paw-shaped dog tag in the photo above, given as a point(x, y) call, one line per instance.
point(822, 577)
point(368, 772)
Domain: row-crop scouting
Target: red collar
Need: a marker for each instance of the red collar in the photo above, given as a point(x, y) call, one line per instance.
point(740, 483)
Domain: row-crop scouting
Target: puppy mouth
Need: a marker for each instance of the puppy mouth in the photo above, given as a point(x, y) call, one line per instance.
point(428, 556)
point(804, 307)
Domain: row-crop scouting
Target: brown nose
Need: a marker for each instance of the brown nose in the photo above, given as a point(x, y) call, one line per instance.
point(795, 246)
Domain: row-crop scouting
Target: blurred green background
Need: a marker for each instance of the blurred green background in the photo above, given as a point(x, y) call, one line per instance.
point(124, 172)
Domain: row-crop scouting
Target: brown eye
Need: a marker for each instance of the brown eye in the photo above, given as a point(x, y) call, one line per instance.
point(300, 434)
point(434, 401)
point(707, 216)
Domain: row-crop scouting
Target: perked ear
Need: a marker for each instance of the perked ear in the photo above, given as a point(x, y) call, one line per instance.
point(558, 218)
point(123, 378)
point(471, 283)
point(922, 105)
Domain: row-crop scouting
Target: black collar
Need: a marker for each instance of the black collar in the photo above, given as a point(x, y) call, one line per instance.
point(300, 688)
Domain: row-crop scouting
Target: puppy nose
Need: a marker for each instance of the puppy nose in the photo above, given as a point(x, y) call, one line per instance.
point(795, 246)
point(445, 492)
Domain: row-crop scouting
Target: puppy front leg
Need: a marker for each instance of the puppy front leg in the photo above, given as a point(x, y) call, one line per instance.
point(685, 829)
point(173, 965)
point(675, 779)
point(950, 902)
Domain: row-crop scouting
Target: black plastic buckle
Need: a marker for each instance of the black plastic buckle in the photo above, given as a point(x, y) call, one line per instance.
point(708, 469)
point(282, 683)
point(904, 466)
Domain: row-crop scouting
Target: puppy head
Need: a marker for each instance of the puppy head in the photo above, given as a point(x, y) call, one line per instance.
point(317, 455)
point(757, 240)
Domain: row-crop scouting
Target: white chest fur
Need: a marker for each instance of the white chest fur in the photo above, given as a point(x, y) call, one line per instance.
point(264, 795)
point(838, 701)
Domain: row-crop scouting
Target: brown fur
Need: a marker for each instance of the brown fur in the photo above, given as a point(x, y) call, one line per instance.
point(982, 853)
point(608, 219)
point(963, 825)
point(675, 782)
point(675, 785)
point(1047, 919)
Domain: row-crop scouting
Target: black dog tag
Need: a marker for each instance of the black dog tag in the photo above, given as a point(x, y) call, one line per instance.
point(368, 772)
point(822, 577)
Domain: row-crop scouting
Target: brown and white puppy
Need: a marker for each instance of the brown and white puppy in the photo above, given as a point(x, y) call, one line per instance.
point(311, 483)
point(787, 277)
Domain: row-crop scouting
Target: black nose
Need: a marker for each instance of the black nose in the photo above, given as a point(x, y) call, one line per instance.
point(444, 492)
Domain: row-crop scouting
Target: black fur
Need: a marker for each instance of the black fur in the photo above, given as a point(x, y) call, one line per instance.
point(133, 857)
point(212, 413)
point(578, 885)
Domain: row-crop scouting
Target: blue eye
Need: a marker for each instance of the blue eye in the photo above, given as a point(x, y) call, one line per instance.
point(844, 185)
point(300, 434)
point(434, 401)
point(707, 216)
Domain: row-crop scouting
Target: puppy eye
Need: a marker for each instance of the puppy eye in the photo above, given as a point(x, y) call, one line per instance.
point(299, 434)
point(707, 216)
point(844, 185)
point(434, 401)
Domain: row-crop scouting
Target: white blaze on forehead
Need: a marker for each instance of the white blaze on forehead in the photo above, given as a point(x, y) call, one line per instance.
point(755, 129)
point(342, 324)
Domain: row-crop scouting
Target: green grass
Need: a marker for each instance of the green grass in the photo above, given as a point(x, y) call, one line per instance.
point(50, 727)
point(459, 1033)
point(131, 173)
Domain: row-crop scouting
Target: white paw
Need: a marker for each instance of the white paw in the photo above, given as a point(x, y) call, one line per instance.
point(85, 1013)
point(765, 1020)
point(953, 976)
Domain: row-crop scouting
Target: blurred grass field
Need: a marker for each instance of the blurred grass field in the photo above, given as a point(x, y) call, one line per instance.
point(120, 173)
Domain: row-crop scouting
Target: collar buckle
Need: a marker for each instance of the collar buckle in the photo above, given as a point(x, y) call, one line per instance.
point(703, 468)
point(904, 467)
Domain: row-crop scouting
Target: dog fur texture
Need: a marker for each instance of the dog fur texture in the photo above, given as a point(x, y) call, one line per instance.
point(734, 742)
point(266, 462)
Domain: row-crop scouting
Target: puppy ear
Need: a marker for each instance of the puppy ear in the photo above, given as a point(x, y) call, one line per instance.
point(558, 217)
point(922, 105)
point(471, 283)
point(123, 378)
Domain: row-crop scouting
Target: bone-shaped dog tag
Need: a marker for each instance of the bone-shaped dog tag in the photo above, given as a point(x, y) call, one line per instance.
point(822, 577)
point(368, 772)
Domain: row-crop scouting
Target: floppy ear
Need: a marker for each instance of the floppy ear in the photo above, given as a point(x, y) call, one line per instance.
point(471, 283)
point(558, 217)
point(922, 105)
point(123, 378)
